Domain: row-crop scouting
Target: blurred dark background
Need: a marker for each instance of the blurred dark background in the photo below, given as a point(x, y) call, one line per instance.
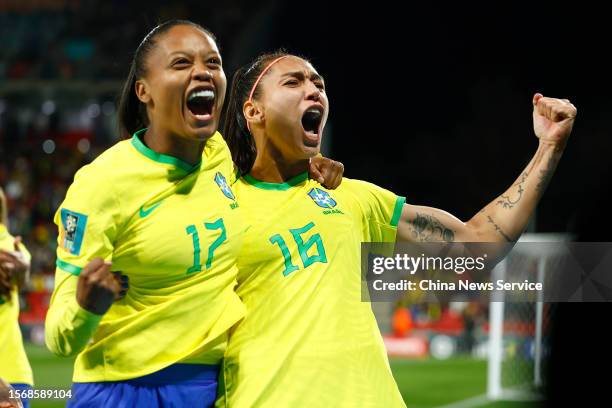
point(432, 101)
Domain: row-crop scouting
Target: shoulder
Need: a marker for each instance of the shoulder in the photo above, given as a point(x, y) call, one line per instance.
point(372, 197)
point(216, 141)
point(103, 180)
point(217, 155)
point(359, 187)
point(216, 145)
point(108, 166)
point(110, 169)
point(6, 239)
point(352, 184)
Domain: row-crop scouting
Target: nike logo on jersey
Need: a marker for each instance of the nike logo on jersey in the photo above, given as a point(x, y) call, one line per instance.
point(144, 212)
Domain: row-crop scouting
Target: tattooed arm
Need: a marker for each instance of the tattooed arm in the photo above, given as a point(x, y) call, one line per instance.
point(506, 217)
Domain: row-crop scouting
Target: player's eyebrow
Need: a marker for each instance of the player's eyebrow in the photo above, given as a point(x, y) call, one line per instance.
point(300, 75)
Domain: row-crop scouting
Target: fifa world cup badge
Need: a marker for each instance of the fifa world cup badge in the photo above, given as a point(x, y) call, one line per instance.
point(72, 230)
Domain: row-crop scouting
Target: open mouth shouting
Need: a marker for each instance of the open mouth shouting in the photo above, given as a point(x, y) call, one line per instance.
point(201, 104)
point(311, 122)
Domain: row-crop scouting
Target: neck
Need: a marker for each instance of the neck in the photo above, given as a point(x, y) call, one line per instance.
point(270, 166)
point(187, 149)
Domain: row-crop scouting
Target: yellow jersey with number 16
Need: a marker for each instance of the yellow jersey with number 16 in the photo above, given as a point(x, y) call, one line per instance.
point(308, 339)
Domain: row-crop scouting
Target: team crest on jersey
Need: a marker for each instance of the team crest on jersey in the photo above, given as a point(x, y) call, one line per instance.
point(225, 188)
point(72, 231)
point(321, 198)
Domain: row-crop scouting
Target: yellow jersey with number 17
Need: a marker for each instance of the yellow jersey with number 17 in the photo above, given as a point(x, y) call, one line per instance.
point(14, 366)
point(175, 231)
point(308, 339)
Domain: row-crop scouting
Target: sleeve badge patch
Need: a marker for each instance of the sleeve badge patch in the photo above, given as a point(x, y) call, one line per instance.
point(72, 231)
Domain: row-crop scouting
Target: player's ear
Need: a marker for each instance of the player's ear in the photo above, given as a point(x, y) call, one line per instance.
point(142, 91)
point(252, 112)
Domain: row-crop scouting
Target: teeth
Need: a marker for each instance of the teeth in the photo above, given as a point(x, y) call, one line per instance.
point(314, 111)
point(207, 94)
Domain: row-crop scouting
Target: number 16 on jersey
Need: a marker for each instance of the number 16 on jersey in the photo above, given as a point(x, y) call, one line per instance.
point(303, 248)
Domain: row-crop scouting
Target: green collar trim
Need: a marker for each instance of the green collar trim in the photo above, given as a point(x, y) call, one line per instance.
point(160, 157)
point(276, 186)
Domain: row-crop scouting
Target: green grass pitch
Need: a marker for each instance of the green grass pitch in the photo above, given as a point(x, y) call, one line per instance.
point(425, 383)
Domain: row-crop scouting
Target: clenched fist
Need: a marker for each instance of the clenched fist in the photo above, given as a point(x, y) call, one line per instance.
point(98, 287)
point(13, 267)
point(553, 119)
point(326, 171)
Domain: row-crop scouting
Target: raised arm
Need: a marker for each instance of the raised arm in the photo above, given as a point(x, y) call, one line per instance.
point(506, 217)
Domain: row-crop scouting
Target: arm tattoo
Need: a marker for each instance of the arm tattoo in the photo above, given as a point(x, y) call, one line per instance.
point(546, 175)
point(498, 229)
point(427, 228)
point(506, 201)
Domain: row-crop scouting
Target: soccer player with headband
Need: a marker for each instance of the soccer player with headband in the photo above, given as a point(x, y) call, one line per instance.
point(308, 339)
point(158, 207)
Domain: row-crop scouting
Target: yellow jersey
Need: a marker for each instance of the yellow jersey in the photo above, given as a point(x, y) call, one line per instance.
point(308, 339)
point(175, 231)
point(14, 365)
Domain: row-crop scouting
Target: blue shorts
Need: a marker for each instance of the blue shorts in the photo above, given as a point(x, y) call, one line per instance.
point(22, 388)
point(179, 385)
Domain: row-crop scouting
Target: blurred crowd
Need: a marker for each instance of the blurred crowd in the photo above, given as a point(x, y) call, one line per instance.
point(49, 129)
point(88, 39)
